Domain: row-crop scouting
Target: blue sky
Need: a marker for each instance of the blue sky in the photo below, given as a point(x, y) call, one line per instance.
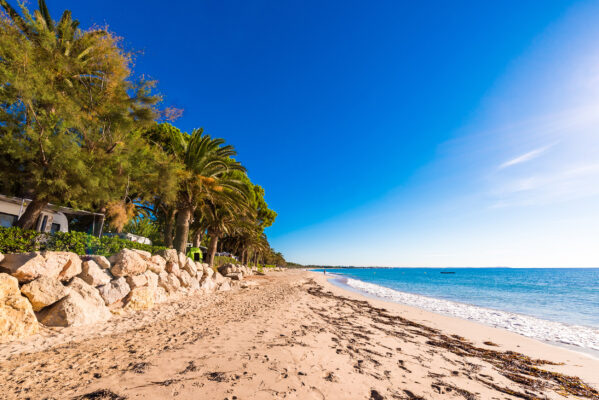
point(392, 133)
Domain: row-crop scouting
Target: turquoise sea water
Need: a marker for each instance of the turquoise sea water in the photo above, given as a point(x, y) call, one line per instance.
point(558, 305)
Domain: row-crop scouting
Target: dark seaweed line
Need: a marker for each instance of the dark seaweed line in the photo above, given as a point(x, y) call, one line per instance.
point(516, 367)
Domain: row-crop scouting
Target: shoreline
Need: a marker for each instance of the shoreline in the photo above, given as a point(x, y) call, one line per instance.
point(291, 335)
point(424, 303)
point(577, 363)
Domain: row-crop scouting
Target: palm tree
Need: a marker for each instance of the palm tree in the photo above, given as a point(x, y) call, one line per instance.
point(207, 162)
point(221, 214)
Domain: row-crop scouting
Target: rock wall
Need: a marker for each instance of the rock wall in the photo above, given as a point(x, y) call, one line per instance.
point(63, 289)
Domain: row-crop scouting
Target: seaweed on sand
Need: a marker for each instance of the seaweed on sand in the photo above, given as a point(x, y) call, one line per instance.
point(102, 394)
point(517, 367)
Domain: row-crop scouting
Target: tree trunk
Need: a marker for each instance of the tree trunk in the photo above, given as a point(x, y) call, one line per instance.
point(182, 229)
point(212, 249)
point(197, 238)
point(31, 214)
point(169, 217)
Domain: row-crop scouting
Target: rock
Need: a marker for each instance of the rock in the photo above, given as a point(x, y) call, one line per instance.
point(218, 278)
point(169, 282)
point(224, 286)
point(236, 276)
point(160, 295)
point(140, 298)
point(114, 291)
point(128, 263)
point(182, 260)
point(8, 286)
point(136, 281)
point(101, 261)
point(54, 264)
point(69, 264)
point(152, 279)
point(169, 255)
point(209, 272)
point(173, 268)
point(83, 306)
point(26, 266)
point(17, 319)
point(44, 291)
point(157, 264)
point(194, 285)
point(248, 284)
point(1, 257)
point(207, 285)
point(226, 269)
point(190, 267)
point(93, 275)
point(185, 278)
point(146, 255)
point(199, 271)
point(88, 292)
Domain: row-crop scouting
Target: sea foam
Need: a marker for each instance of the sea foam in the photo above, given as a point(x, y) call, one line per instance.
point(549, 331)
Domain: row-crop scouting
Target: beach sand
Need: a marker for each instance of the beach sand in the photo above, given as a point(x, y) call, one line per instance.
point(292, 336)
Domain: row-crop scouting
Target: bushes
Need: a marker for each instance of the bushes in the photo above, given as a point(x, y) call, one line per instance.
point(222, 260)
point(16, 240)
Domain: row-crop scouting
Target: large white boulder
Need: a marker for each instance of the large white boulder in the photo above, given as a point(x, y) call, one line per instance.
point(208, 272)
point(93, 275)
point(207, 284)
point(146, 255)
point(140, 298)
point(128, 262)
point(136, 281)
point(114, 291)
point(224, 286)
point(194, 285)
point(185, 278)
point(169, 255)
point(68, 264)
point(29, 266)
point(169, 282)
point(190, 267)
point(43, 292)
point(237, 276)
point(226, 269)
point(82, 306)
point(157, 264)
point(17, 319)
point(101, 261)
point(152, 279)
point(182, 258)
point(173, 268)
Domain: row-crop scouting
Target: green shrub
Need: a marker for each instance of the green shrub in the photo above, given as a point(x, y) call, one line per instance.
point(222, 260)
point(16, 240)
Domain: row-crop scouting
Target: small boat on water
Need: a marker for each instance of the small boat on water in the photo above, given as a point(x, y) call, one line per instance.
point(448, 272)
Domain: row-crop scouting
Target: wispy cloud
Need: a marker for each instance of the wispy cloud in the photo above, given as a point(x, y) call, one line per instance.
point(526, 156)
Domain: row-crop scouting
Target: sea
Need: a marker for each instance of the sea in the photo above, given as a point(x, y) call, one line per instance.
point(554, 305)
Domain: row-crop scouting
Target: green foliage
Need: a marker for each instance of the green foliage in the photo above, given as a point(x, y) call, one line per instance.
point(221, 260)
point(77, 129)
point(16, 240)
point(69, 110)
point(146, 227)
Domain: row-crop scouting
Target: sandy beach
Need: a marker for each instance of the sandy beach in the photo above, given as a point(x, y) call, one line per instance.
point(293, 335)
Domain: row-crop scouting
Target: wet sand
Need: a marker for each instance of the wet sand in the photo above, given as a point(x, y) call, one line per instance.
point(294, 336)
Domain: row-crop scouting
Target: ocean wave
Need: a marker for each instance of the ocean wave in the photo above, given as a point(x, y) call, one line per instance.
point(550, 331)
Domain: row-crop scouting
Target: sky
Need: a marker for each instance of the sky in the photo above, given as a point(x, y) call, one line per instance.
point(392, 133)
